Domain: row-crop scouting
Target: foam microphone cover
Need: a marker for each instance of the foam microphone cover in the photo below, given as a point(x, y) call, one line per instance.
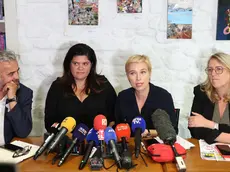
point(110, 135)
point(163, 125)
point(100, 122)
point(138, 122)
point(69, 123)
point(80, 132)
point(123, 130)
point(92, 136)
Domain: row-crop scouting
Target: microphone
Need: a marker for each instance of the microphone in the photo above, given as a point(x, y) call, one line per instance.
point(167, 133)
point(92, 140)
point(138, 127)
point(123, 133)
point(53, 130)
point(100, 124)
point(67, 126)
point(110, 139)
point(79, 135)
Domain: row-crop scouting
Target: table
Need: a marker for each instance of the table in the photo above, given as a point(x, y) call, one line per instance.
point(194, 163)
point(43, 164)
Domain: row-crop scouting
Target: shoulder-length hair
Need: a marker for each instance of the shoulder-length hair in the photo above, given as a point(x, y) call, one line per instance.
point(93, 80)
point(207, 87)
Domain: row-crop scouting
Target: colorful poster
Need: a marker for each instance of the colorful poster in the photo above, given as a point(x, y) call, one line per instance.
point(179, 19)
point(129, 6)
point(83, 12)
point(223, 20)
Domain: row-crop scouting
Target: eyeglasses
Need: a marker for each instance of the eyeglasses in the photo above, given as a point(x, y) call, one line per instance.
point(218, 70)
point(21, 152)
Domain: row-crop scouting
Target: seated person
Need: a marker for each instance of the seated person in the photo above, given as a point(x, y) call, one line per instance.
point(80, 93)
point(143, 98)
point(210, 115)
point(15, 100)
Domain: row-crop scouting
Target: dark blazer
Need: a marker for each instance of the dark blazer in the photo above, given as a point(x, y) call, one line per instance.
point(127, 109)
point(18, 121)
point(202, 105)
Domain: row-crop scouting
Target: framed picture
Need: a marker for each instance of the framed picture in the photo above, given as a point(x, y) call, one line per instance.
point(179, 19)
point(83, 12)
point(129, 6)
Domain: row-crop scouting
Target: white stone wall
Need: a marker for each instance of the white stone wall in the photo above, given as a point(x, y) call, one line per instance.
point(178, 65)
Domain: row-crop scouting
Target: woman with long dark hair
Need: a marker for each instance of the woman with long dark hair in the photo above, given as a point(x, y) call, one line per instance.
point(80, 92)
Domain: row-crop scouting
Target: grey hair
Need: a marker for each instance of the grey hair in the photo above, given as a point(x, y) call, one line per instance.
point(7, 55)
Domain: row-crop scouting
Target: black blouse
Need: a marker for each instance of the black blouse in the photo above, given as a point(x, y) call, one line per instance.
point(158, 98)
point(59, 105)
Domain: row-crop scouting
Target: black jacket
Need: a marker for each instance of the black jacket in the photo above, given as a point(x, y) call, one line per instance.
point(202, 105)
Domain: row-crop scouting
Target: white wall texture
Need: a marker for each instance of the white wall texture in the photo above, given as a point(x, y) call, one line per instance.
point(178, 65)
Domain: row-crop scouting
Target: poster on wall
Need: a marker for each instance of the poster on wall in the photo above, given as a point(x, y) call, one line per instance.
point(179, 19)
point(223, 20)
point(83, 12)
point(129, 6)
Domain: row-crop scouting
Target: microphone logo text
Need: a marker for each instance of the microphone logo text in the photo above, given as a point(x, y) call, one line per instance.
point(136, 121)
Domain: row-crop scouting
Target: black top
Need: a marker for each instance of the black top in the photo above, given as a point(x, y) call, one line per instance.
point(158, 98)
point(202, 105)
point(59, 105)
point(18, 121)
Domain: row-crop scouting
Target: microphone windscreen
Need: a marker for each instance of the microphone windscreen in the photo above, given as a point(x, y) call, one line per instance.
point(80, 132)
point(138, 122)
point(69, 123)
point(100, 122)
point(163, 125)
point(54, 128)
point(92, 136)
point(123, 130)
point(110, 135)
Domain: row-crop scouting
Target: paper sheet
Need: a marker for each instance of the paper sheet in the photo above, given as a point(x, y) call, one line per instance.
point(209, 152)
point(186, 144)
point(6, 155)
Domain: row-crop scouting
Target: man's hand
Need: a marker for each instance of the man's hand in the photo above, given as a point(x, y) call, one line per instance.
point(11, 89)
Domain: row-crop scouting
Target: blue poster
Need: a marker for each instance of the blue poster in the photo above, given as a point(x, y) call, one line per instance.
point(223, 20)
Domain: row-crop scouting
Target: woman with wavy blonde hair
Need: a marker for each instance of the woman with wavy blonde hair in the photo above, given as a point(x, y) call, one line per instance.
point(210, 117)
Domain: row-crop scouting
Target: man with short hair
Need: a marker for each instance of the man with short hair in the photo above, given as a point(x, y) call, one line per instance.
point(15, 100)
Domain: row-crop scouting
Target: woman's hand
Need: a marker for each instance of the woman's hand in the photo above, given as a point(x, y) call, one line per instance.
point(199, 121)
point(149, 133)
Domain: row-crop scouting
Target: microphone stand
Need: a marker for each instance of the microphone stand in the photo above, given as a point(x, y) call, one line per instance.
point(141, 158)
point(56, 157)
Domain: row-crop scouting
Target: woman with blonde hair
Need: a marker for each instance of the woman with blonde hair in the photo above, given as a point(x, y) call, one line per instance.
point(210, 115)
point(143, 98)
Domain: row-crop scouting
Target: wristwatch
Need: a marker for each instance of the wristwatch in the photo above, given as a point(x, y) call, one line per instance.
point(216, 126)
point(14, 99)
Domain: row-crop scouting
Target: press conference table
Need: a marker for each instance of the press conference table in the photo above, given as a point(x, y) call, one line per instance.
point(194, 163)
point(43, 164)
